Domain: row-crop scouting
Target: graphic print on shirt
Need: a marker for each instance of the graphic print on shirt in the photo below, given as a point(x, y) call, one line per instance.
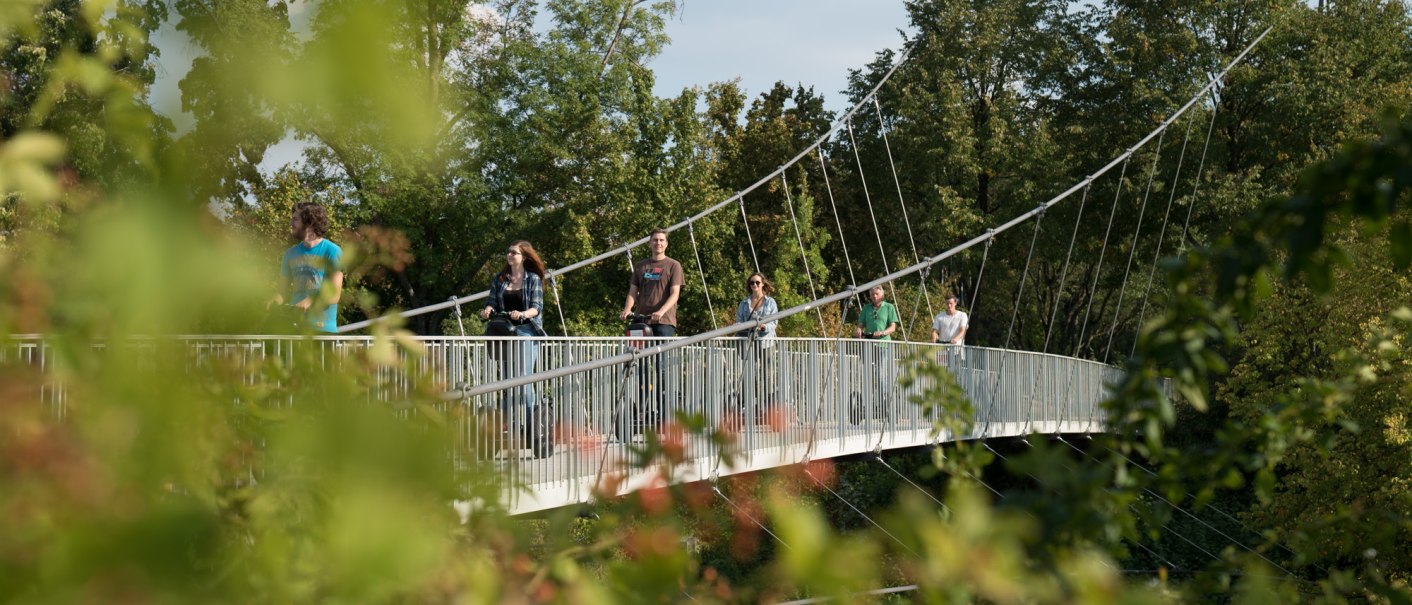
point(652, 273)
point(306, 274)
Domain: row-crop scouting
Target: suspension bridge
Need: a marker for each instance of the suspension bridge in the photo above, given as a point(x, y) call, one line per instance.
point(574, 418)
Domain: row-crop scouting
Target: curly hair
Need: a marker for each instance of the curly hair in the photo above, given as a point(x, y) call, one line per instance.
point(313, 216)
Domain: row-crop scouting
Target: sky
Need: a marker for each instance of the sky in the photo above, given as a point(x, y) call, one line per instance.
point(808, 42)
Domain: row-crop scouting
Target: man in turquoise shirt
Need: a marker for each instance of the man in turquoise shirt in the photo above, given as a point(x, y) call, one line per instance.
point(309, 266)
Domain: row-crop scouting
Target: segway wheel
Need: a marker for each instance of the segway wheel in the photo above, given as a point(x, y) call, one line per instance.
point(856, 411)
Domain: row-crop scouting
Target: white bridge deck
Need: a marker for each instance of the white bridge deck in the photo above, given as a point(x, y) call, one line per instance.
point(763, 404)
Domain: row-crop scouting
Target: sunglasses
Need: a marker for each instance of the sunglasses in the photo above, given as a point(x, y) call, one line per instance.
point(755, 282)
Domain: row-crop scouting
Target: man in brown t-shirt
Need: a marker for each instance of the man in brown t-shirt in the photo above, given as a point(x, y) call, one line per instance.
point(655, 286)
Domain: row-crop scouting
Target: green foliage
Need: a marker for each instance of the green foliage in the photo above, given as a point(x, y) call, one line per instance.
point(224, 477)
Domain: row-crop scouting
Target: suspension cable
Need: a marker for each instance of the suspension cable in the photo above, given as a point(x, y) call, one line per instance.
point(701, 269)
point(1014, 314)
point(1161, 234)
point(976, 290)
point(803, 254)
point(816, 480)
point(854, 288)
point(833, 129)
point(554, 287)
point(879, 458)
point(824, 169)
point(1130, 506)
point(746, 221)
point(869, 199)
point(456, 311)
point(1198, 520)
point(1213, 507)
point(717, 489)
point(1196, 181)
point(1098, 268)
point(1059, 295)
point(1132, 249)
point(916, 258)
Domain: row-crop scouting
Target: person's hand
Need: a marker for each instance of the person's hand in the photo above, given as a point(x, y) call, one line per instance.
point(304, 305)
point(516, 315)
point(656, 317)
point(624, 315)
point(858, 332)
point(485, 313)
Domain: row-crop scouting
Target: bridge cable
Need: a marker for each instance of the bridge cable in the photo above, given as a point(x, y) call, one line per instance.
point(1193, 517)
point(701, 269)
point(1161, 234)
point(1170, 565)
point(869, 198)
point(823, 168)
point(1196, 181)
point(563, 320)
point(852, 291)
point(803, 254)
point(976, 289)
point(1058, 296)
point(816, 480)
point(1132, 250)
point(833, 128)
point(878, 456)
point(1014, 314)
point(916, 258)
point(746, 221)
point(1098, 268)
point(1031, 514)
point(733, 505)
point(1213, 507)
point(1130, 507)
point(456, 311)
point(851, 596)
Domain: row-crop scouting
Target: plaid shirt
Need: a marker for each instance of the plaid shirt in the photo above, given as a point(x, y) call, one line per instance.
point(534, 297)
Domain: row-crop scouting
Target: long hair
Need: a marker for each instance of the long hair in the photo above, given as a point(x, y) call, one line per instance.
point(766, 288)
point(313, 216)
point(531, 260)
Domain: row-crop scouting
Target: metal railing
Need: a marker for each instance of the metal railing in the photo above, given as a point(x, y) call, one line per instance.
point(756, 403)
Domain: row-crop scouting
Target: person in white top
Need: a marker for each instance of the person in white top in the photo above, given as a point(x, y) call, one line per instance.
point(950, 326)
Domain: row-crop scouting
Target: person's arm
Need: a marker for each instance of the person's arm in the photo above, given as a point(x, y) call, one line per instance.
point(493, 300)
point(337, 288)
point(770, 308)
point(858, 332)
point(960, 336)
point(281, 286)
point(669, 304)
point(935, 336)
point(632, 302)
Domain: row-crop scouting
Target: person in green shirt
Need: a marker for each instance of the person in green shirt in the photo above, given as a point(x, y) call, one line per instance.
point(878, 319)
